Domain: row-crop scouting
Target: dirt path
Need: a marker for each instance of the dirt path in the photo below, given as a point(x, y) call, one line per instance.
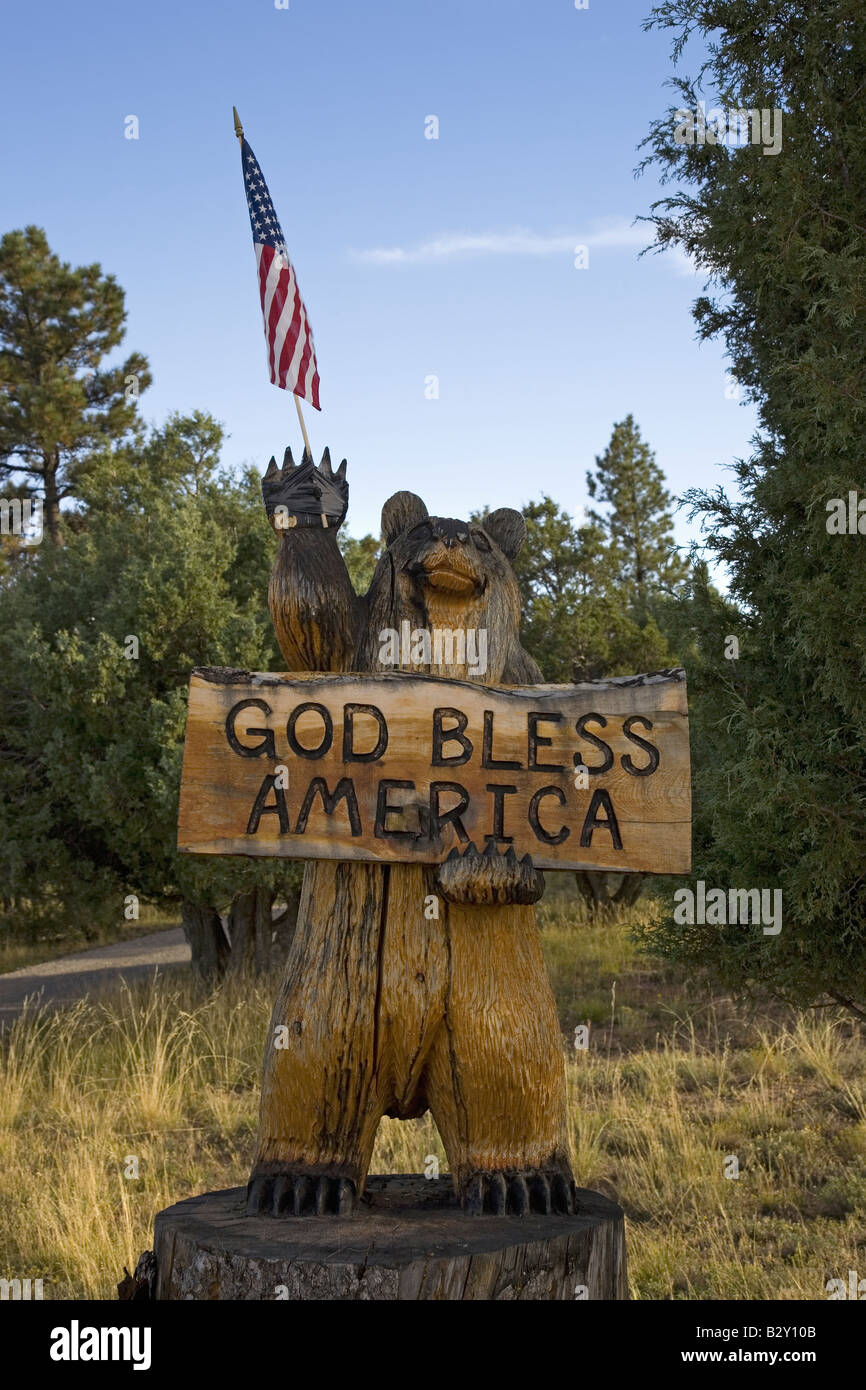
point(85, 974)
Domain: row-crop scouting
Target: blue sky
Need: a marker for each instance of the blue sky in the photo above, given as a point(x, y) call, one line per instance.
point(416, 257)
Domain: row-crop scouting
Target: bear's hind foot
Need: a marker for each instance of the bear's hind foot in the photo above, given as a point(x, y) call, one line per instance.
point(299, 1192)
point(509, 1193)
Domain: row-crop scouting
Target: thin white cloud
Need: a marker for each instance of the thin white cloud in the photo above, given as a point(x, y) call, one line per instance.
point(520, 241)
point(681, 262)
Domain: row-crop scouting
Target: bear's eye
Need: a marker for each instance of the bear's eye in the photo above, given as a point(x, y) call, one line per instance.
point(481, 540)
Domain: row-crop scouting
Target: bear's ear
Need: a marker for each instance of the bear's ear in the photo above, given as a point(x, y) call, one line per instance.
point(507, 528)
point(400, 513)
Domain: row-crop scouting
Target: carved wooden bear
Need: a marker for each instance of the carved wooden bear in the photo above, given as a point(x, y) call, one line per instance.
point(383, 1011)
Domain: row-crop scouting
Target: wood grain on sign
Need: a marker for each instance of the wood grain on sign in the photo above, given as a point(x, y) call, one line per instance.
point(404, 769)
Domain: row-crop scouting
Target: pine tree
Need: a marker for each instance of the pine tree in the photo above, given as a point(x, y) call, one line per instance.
point(639, 524)
point(58, 404)
point(575, 622)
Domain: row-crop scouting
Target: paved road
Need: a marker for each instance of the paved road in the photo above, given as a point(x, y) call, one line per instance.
point(86, 974)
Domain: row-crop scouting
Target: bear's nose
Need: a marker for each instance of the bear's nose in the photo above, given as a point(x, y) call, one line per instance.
point(450, 531)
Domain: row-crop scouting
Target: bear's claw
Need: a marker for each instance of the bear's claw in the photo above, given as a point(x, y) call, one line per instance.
point(300, 1194)
point(473, 879)
point(498, 1193)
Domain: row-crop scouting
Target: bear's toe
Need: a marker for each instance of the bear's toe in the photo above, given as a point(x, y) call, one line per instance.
point(531, 1191)
point(294, 1192)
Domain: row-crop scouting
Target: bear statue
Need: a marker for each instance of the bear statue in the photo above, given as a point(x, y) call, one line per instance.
point(384, 1009)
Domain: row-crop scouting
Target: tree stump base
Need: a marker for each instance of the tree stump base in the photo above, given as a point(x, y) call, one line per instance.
point(407, 1240)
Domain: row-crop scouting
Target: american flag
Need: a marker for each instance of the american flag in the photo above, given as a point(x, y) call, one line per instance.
point(291, 354)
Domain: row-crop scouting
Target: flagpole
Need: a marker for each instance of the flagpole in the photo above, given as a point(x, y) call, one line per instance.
point(239, 132)
point(303, 426)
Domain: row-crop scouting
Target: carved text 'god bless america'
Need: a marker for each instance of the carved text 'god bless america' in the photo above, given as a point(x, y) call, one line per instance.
point(405, 768)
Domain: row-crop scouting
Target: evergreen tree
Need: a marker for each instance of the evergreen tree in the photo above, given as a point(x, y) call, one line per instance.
point(779, 731)
point(165, 567)
point(575, 620)
point(58, 403)
point(361, 555)
point(639, 524)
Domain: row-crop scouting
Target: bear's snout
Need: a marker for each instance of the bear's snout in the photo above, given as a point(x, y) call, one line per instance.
point(449, 563)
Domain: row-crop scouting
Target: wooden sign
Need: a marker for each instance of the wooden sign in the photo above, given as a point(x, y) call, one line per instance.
point(404, 768)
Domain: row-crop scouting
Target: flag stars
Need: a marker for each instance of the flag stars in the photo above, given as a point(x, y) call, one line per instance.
point(263, 218)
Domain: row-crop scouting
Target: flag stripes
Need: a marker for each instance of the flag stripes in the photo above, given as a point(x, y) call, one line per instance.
point(291, 353)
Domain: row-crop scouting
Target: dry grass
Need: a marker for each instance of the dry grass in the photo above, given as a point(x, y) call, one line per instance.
point(667, 1090)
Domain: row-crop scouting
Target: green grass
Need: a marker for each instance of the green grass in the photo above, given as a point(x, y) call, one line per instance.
point(673, 1082)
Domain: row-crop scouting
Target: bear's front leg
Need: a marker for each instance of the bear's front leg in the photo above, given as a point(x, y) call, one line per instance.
point(322, 1086)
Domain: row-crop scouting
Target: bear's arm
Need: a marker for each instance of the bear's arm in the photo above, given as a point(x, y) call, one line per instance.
point(314, 608)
